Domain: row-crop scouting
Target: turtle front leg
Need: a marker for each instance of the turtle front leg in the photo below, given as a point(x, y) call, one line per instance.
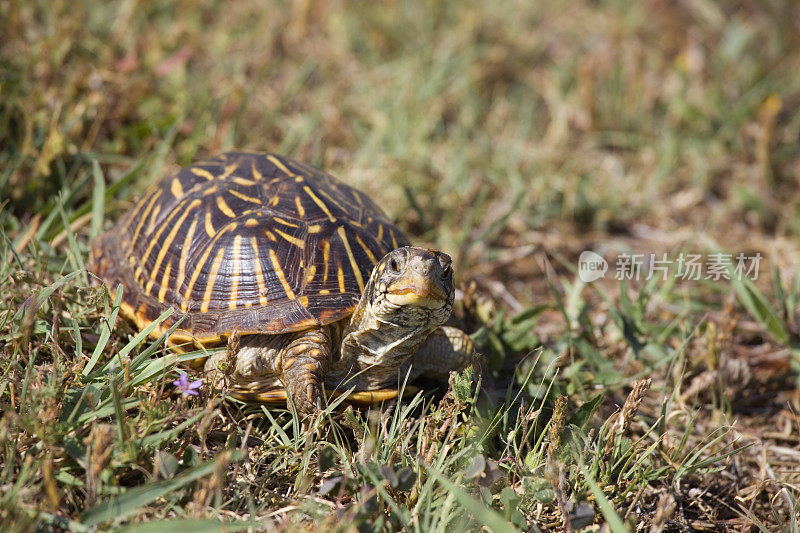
point(272, 368)
point(304, 362)
point(446, 349)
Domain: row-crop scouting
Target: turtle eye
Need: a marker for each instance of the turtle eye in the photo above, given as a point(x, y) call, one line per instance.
point(394, 266)
point(446, 263)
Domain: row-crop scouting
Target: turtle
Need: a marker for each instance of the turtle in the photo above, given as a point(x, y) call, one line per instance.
point(305, 279)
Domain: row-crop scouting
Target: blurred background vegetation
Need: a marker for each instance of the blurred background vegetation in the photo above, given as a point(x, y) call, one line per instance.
point(512, 134)
point(497, 120)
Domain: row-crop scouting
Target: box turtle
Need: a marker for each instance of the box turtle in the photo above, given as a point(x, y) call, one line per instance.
point(319, 289)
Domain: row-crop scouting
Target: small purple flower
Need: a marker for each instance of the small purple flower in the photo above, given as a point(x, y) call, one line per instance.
point(186, 387)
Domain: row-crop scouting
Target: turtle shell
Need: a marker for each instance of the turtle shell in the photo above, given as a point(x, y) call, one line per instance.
point(244, 242)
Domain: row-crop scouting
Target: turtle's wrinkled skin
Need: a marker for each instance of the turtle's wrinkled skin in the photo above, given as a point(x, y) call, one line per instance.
point(323, 291)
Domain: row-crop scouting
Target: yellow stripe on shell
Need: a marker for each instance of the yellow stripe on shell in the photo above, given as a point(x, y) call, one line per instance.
point(143, 217)
point(195, 275)
point(299, 205)
point(153, 217)
point(244, 197)
point(229, 169)
point(310, 273)
point(279, 220)
point(256, 173)
point(300, 243)
point(201, 172)
point(185, 251)
point(262, 288)
point(326, 259)
point(332, 200)
point(171, 237)
point(199, 264)
point(212, 279)
point(224, 207)
point(319, 202)
point(366, 249)
point(157, 238)
point(352, 258)
point(165, 282)
point(210, 229)
point(236, 258)
point(340, 276)
point(149, 286)
point(176, 188)
point(277, 162)
point(243, 181)
point(276, 265)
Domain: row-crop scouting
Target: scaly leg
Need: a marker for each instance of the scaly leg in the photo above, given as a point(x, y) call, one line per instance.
point(263, 366)
point(303, 366)
point(446, 349)
point(249, 363)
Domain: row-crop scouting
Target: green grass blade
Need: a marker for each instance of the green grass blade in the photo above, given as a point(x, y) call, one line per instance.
point(105, 333)
point(110, 192)
point(489, 518)
point(98, 200)
point(150, 350)
point(760, 309)
point(63, 524)
point(122, 429)
point(76, 330)
point(160, 154)
point(133, 343)
point(145, 332)
point(154, 368)
point(11, 247)
point(613, 519)
point(162, 437)
point(105, 409)
point(74, 255)
point(34, 302)
point(127, 503)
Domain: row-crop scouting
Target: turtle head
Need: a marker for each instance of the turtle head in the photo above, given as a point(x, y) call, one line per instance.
point(409, 295)
point(411, 286)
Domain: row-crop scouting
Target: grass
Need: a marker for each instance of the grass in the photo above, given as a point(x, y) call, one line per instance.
point(513, 135)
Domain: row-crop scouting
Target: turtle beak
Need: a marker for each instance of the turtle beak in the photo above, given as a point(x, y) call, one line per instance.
point(414, 288)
